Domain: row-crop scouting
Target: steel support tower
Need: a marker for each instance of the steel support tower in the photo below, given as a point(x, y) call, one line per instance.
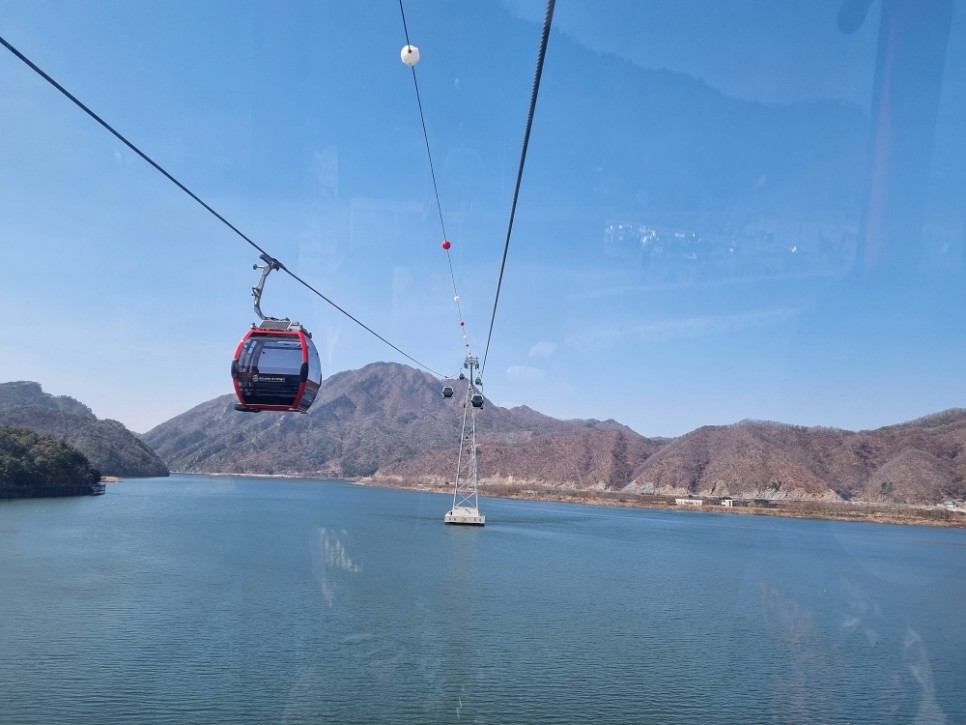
point(466, 509)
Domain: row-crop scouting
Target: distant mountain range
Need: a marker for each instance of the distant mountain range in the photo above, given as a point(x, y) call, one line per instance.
point(389, 422)
point(108, 445)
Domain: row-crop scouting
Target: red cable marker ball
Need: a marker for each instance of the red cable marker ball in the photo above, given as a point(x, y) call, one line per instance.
point(446, 244)
point(462, 323)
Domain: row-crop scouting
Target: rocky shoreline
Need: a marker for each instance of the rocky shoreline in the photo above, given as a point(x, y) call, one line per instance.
point(91, 489)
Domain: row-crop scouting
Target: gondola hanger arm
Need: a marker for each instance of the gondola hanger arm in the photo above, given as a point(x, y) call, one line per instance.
point(270, 264)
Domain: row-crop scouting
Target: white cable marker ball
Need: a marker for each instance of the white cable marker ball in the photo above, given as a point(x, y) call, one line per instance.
point(409, 55)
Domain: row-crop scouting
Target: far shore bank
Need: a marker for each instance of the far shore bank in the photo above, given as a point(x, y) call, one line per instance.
point(906, 514)
point(829, 510)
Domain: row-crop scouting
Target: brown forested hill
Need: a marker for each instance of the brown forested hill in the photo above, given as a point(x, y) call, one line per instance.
point(108, 445)
point(923, 461)
point(377, 419)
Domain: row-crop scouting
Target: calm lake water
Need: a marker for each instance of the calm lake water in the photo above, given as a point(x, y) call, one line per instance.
point(233, 600)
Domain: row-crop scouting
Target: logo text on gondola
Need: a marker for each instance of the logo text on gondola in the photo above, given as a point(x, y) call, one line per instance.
point(267, 379)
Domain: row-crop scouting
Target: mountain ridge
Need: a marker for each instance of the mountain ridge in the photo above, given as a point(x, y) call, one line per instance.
point(388, 422)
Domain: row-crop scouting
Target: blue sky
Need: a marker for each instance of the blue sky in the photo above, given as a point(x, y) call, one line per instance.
point(739, 133)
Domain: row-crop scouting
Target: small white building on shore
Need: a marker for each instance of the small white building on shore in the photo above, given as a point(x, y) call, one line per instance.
point(689, 501)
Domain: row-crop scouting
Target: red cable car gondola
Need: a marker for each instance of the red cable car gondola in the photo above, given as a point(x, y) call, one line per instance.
point(276, 366)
